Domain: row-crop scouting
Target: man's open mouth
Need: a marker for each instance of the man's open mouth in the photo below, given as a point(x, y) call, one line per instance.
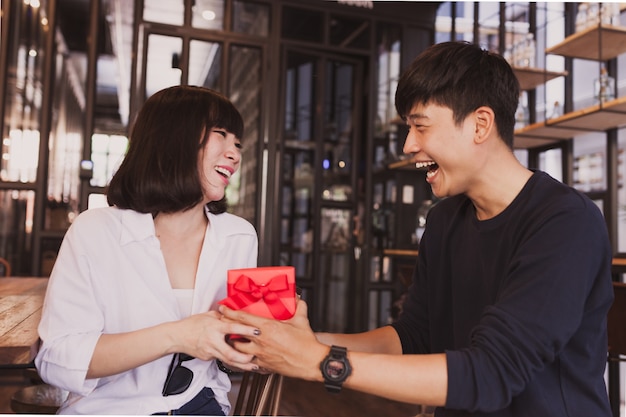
point(430, 166)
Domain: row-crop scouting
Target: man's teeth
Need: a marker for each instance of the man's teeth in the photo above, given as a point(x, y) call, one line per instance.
point(419, 165)
point(223, 171)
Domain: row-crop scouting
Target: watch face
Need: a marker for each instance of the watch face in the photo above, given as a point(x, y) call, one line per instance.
point(335, 369)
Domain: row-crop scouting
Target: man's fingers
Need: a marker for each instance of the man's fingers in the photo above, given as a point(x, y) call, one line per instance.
point(241, 316)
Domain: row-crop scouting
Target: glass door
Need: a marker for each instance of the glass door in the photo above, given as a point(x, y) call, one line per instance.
point(319, 182)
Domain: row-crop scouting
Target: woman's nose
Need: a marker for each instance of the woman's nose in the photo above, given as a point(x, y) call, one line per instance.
point(233, 153)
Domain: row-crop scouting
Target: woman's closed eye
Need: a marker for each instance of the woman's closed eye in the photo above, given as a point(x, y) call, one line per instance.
point(224, 133)
point(221, 132)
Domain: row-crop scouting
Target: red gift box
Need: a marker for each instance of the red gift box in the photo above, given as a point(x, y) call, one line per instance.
point(268, 291)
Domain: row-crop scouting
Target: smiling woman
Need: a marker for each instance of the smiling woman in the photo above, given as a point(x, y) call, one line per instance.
point(157, 166)
point(143, 276)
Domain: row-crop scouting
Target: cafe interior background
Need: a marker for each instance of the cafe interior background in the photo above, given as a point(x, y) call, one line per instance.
point(323, 178)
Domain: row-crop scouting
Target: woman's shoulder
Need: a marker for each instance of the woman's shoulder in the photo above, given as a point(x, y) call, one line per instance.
point(231, 224)
point(109, 220)
point(96, 215)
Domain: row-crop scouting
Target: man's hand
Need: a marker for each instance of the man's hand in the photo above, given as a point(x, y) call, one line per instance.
point(286, 347)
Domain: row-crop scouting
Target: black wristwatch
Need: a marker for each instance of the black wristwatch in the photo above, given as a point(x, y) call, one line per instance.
point(335, 368)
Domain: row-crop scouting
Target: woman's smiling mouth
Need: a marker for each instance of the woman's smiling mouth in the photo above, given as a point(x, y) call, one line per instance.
point(224, 172)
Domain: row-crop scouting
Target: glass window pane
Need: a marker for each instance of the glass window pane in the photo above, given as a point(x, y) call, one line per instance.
point(107, 152)
point(335, 268)
point(246, 88)
point(302, 24)
point(621, 75)
point(251, 18)
point(16, 224)
point(621, 191)
point(114, 69)
point(208, 14)
point(372, 308)
point(443, 22)
point(338, 110)
point(551, 95)
point(171, 11)
point(463, 24)
point(489, 22)
point(23, 96)
point(584, 75)
point(20, 155)
point(389, 42)
point(335, 229)
point(299, 97)
point(349, 32)
point(205, 63)
point(465, 21)
point(163, 66)
point(385, 308)
point(589, 162)
point(551, 161)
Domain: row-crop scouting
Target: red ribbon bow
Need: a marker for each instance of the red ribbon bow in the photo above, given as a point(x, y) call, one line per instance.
point(246, 292)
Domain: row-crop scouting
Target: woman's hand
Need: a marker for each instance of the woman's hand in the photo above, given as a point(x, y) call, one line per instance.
point(286, 347)
point(205, 336)
point(202, 336)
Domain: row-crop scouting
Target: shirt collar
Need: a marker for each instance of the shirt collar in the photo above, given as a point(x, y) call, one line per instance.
point(136, 226)
point(140, 226)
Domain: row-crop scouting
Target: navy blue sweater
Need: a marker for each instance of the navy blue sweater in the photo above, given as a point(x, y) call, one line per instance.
point(518, 303)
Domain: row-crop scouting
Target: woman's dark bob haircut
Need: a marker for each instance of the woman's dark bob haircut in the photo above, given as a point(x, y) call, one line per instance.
point(160, 173)
point(462, 77)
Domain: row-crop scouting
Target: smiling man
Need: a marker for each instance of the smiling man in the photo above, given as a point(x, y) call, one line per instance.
point(507, 312)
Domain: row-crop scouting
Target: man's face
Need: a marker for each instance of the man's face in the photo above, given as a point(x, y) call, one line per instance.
point(441, 147)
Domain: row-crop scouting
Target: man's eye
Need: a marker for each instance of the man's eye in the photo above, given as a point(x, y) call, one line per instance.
point(221, 132)
point(239, 145)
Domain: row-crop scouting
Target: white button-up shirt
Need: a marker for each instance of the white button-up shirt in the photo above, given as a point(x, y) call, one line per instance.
point(110, 277)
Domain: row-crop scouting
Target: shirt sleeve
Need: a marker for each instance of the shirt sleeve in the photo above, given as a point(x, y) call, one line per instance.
point(71, 323)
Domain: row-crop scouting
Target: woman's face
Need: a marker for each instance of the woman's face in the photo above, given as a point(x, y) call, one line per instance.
point(218, 161)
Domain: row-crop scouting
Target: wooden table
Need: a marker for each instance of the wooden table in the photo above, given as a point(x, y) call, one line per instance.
point(21, 301)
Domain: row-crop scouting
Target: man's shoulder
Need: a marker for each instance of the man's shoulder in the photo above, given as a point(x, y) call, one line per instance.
point(551, 190)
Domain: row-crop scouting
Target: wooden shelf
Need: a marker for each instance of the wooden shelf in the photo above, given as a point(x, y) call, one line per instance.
point(407, 163)
point(619, 262)
point(599, 43)
point(597, 118)
point(531, 78)
point(400, 252)
point(413, 252)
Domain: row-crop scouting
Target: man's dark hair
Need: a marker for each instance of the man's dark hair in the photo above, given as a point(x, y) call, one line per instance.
point(160, 170)
point(462, 77)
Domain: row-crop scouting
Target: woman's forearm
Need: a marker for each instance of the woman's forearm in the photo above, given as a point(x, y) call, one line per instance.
point(116, 353)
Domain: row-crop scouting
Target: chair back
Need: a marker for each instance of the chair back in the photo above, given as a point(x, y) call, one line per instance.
point(5, 267)
point(259, 395)
point(616, 322)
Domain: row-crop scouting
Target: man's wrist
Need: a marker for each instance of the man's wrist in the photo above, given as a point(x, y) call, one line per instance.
point(335, 368)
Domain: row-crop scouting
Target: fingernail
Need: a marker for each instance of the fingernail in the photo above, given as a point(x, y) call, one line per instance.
point(257, 332)
point(255, 368)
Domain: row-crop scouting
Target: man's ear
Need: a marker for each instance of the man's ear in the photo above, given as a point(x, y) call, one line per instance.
point(485, 120)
